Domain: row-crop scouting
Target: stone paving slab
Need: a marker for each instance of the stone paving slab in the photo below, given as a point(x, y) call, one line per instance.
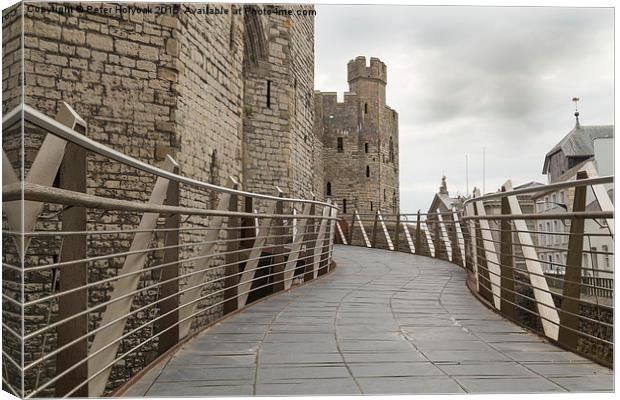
point(382, 323)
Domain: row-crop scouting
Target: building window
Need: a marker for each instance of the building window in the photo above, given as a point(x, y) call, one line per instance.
point(606, 257)
point(547, 203)
point(391, 150)
point(371, 206)
point(384, 195)
point(340, 145)
point(541, 236)
point(328, 190)
point(344, 206)
point(268, 94)
point(366, 148)
point(367, 171)
point(562, 197)
point(584, 261)
point(365, 108)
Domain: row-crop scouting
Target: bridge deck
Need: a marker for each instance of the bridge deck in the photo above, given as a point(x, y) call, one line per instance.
point(382, 323)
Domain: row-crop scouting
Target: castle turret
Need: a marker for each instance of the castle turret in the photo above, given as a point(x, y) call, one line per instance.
point(360, 139)
point(368, 81)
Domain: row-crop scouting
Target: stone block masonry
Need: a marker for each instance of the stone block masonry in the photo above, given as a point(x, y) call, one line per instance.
point(227, 94)
point(360, 142)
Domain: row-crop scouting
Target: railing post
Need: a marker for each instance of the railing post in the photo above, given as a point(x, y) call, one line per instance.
point(473, 243)
point(278, 249)
point(507, 263)
point(396, 234)
point(343, 239)
point(293, 257)
point(104, 345)
point(569, 326)
point(309, 255)
point(232, 255)
point(73, 177)
point(547, 311)
point(351, 228)
point(248, 231)
point(373, 242)
point(491, 259)
point(330, 249)
point(437, 240)
point(459, 238)
point(418, 236)
point(484, 279)
point(444, 237)
point(170, 337)
point(319, 250)
point(454, 242)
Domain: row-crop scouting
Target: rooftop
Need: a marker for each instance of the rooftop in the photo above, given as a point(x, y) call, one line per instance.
point(579, 142)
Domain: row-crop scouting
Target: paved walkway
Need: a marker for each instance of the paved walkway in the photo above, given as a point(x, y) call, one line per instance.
point(382, 323)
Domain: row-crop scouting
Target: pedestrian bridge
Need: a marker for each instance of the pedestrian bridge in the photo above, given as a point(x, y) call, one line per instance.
point(189, 288)
point(380, 323)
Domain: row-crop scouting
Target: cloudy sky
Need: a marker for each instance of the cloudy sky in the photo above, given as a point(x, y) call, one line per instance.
point(464, 78)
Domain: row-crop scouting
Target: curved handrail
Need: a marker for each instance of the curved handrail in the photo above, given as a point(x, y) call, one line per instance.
point(56, 128)
point(545, 188)
point(223, 259)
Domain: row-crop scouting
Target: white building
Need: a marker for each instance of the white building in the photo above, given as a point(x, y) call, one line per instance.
point(585, 148)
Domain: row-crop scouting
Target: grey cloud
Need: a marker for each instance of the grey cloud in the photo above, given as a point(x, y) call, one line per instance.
point(466, 77)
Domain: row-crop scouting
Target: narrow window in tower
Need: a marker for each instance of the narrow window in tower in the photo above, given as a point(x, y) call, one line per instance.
point(384, 196)
point(366, 148)
point(344, 206)
point(371, 206)
point(391, 150)
point(328, 190)
point(367, 171)
point(340, 145)
point(365, 108)
point(268, 94)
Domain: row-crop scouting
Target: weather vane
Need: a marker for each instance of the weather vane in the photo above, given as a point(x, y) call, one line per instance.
point(576, 101)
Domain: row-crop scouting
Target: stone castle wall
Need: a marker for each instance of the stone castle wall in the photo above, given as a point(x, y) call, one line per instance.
point(230, 95)
point(279, 146)
point(151, 85)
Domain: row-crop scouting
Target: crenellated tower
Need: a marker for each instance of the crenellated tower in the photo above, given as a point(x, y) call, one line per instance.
point(360, 140)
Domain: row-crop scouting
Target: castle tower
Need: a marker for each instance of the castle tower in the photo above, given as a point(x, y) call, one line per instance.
point(360, 140)
point(368, 81)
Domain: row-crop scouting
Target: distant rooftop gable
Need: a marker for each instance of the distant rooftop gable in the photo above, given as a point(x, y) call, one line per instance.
point(579, 142)
point(529, 185)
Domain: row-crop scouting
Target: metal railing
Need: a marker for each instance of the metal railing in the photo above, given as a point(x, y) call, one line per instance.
point(102, 279)
point(549, 269)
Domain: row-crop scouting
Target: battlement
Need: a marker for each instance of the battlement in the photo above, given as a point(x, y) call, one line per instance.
point(357, 69)
point(331, 98)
